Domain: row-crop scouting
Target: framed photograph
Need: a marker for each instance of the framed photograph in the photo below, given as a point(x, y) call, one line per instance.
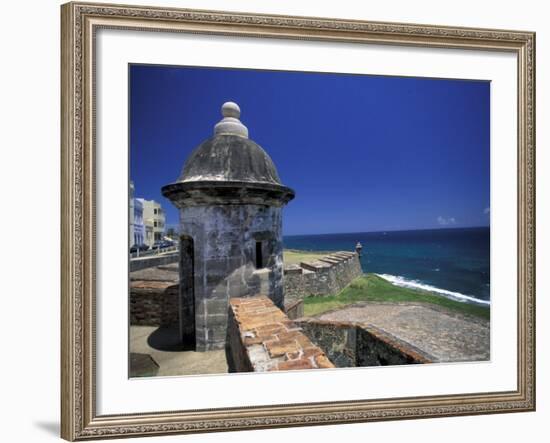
point(283, 221)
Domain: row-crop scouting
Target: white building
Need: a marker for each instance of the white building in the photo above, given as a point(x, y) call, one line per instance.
point(154, 221)
point(137, 228)
point(131, 215)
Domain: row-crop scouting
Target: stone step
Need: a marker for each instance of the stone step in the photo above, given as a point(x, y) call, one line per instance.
point(293, 269)
point(315, 265)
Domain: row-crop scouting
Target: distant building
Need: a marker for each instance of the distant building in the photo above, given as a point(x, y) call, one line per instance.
point(154, 221)
point(131, 214)
point(137, 229)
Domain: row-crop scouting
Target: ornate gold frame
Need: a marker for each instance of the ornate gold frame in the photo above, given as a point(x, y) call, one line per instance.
point(79, 420)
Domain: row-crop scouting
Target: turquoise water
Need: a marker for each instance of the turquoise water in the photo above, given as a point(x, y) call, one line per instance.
point(452, 262)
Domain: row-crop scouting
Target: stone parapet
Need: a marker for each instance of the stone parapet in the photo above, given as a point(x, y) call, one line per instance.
point(349, 344)
point(152, 261)
point(153, 303)
point(326, 276)
point(260, 337)
point(154, 294)
point(293, 269)
point(315, 265)
point(294, 309)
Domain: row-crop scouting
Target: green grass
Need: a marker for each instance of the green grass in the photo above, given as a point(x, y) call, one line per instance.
point(292, 256)
point(370, 287)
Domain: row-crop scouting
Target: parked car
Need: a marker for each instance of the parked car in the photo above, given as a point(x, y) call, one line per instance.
point(162, 244)
point(139, 248)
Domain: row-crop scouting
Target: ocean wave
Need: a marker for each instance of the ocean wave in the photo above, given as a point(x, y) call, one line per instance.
point(415, 284)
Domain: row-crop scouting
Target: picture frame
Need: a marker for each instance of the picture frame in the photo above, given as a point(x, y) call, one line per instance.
point(80, 241)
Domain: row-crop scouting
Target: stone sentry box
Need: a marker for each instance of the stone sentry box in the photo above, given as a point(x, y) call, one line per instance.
point(230, 199)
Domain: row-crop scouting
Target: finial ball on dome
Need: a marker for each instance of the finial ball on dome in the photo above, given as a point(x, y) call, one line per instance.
point(231, 109)
point(230, 123)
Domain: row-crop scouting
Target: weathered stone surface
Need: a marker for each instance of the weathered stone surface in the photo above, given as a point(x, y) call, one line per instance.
point(445, 335)
point(292, 365)
point(349, 344)
point(329, 260)
point(225, 256)
point(339, 343)
point(152, 261)
point(315, 265)
point(378, 348)
point(337, 258)
point(294, 308)
point(326, 276)
point(167, 273)
point(230, 158)
point(154, 297)
point(230, 199)
point(261, 338)
point(142, 365)
point(293, 269)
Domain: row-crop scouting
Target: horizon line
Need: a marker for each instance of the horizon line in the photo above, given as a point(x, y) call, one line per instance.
point(388, 230)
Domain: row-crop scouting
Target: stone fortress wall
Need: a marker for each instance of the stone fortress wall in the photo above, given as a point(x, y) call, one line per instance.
point(325, 276)
point(350, 344)
point(150, 261)
point(154, 296)
point(260, 337)
point(154, 290)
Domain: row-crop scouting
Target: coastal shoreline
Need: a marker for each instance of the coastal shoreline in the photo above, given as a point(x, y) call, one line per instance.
point(373, 288)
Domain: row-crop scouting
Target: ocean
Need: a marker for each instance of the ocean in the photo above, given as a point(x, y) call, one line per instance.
point(453, 263)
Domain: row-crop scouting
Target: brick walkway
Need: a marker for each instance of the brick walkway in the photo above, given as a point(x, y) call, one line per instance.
point(445, 335)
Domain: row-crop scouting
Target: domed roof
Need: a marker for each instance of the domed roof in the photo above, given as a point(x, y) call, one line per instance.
point(227, 157)
point(228, 160)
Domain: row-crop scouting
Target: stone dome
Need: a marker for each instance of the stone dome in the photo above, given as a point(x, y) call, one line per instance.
point(227, 157)
point(230, 167)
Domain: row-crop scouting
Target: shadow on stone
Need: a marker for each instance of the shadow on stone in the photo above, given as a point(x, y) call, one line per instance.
point(166, 338)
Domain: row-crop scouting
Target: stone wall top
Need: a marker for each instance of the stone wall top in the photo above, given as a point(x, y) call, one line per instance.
point(411, 353)
point(327, 275)
point(262, 338)
point(316, 265)
point(151, 261)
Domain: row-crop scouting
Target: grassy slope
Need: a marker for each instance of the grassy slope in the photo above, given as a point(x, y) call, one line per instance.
point(373, 288)
point(291, 256)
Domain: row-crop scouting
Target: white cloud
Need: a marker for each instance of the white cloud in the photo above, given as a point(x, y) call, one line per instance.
point(445, 221)
point(487, 210)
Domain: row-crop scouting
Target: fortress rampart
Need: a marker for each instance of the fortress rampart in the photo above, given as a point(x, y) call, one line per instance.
point(154, 294)
point(326, 276)
point(154, 290)
point(349, 344)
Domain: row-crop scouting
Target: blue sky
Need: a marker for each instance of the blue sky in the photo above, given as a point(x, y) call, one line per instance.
point(363, 153)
